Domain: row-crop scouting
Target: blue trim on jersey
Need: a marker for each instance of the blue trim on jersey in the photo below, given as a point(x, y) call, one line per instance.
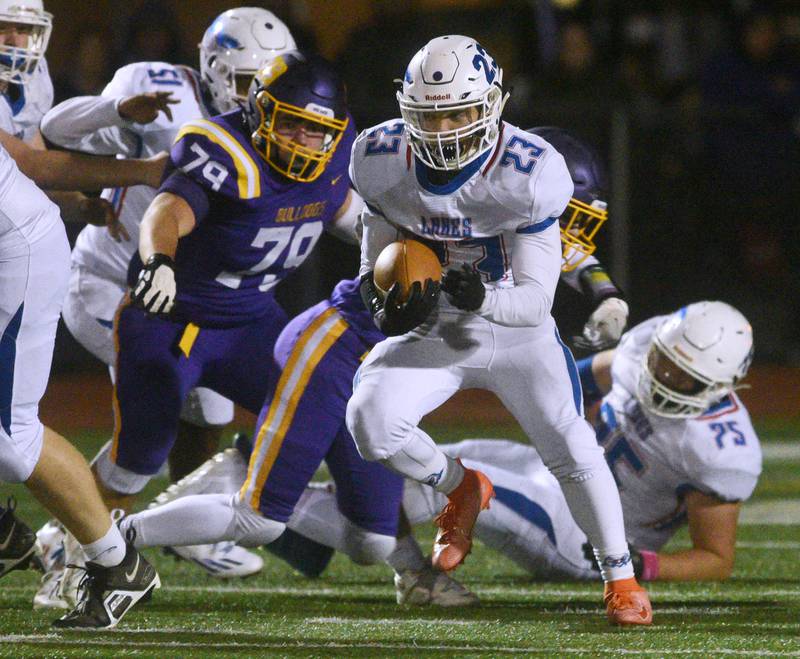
point(719, 406)
point(453, 184)
point(540, 226)
point(577, 395)
point(8, 357)
point(16, 106)
point(591, 392)
point(108, 324)
point(527, 509)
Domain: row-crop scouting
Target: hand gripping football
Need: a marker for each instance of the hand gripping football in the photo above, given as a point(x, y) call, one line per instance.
point(405, 261)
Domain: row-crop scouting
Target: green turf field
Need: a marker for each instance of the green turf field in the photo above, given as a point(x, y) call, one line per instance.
point(351, 610)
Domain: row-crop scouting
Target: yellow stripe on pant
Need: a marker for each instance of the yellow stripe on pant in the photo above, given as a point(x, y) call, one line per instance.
point(307, 353)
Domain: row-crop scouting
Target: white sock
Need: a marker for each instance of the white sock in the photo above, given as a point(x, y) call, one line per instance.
point(407, 556)
point(193, 520)
point(594, 503)
point(109, 550)
point(423, 461)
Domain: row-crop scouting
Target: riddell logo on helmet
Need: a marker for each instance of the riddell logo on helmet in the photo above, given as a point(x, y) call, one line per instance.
point(437, 97)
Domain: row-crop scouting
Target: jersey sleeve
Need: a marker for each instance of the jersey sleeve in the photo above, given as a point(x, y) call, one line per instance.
point(92, 123)
point(213, 159)
point(536, 265)
point(377, 233)
point(722, 455)
point(551, 191)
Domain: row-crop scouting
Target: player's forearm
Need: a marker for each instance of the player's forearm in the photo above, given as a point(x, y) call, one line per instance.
point(536, 265)
point(524, 305)
point(88, 123)
point(60, 170)
point(694, 565)
point(166, 220)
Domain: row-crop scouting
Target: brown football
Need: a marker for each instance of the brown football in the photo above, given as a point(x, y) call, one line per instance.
point(405, 261)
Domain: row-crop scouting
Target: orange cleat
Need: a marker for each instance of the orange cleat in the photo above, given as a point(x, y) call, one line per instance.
point(454, 538)
point(627, 603)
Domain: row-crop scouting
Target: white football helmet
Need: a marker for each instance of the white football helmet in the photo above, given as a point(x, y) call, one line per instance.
point(27, 17)
point(451, 80)
point(236, 45)
point(697, 357)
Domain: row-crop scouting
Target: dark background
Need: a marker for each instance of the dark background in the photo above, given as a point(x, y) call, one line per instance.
point(694, 105)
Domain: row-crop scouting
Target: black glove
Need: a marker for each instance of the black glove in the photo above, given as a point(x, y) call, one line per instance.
point(464, 288)
point(155, 289)
point(393, 317)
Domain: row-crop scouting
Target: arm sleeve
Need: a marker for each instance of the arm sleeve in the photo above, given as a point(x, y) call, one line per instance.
point(536, 264)
point(91, 124)
point(377, 234)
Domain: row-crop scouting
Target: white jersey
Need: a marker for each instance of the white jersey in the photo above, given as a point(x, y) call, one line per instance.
point(92, 124)
point(22, 107)
point(26, 214)
point(496, 206)
point(656, 460)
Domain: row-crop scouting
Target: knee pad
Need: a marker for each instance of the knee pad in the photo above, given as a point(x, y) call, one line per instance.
point(204, 407)
point(118, 478)
point(251, 528)
point(373, 436)
point(366, 547)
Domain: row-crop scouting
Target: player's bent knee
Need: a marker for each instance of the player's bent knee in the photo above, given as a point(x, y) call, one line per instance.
point(252, 529)
point(376, 436)
point(366, 547)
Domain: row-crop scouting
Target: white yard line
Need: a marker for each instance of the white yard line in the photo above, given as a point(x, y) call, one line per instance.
point(775, 512)
point(85, 640)
point(782, 450)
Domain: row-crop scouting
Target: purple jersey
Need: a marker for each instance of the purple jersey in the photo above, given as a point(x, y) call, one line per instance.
point(347, 300)
point(253, 226)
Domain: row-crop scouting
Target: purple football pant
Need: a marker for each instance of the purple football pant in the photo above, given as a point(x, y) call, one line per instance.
point(303, 424)
point(160, 361)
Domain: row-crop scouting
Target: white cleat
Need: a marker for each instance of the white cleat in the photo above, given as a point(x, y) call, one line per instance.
point(223, 560)
point(74, 571)
point(50, 549)
point(49, 594)
point(431, 587)
point(223, 473)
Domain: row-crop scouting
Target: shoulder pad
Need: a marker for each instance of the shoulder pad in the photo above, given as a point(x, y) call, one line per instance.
point(209, 153)
point(723, 452)
point(528, 176)
point(379, 158)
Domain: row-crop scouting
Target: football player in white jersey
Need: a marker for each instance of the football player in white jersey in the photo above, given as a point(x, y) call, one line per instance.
point(34, 262)
point(679, 442)
point(486, 196)
point(139, 113)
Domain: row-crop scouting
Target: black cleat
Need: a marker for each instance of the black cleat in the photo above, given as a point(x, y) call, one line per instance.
point(17, 541)
point(108, 593)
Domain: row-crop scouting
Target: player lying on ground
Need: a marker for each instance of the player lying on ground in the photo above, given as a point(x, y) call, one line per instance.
point(140, 113)
point(677, 437)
